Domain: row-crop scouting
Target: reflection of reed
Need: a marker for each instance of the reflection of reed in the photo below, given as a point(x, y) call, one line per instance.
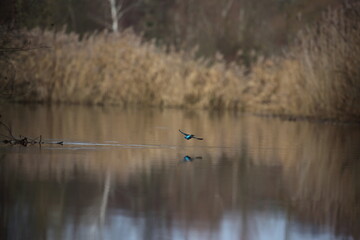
point(152, 127)
point(320, 172)
point(306, 169)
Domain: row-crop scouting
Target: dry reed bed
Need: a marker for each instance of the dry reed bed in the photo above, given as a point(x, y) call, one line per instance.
point(319, 76)
point(120, 69)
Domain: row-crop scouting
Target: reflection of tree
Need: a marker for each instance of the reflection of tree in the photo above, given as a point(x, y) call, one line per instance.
point(187, 198)
point(38, 209)
point(105, 198)
point(305, 172)
point(319, 171)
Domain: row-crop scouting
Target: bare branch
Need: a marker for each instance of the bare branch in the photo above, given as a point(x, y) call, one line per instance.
point(101, 21)
point(24, 141)
point(227, 8)
point(129, 8)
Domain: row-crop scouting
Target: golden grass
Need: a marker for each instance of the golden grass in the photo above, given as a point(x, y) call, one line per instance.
point(121, 69)
point(319, 76)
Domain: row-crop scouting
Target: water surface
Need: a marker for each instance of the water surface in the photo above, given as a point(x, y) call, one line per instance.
point(129, 174)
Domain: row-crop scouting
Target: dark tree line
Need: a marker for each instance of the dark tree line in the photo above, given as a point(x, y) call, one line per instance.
point(238, 29)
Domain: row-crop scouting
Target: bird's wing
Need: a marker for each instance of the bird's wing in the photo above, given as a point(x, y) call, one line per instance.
point(198, 138)
point(183, 132)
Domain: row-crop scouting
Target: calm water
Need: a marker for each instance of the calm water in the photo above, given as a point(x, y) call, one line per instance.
point(121, 174)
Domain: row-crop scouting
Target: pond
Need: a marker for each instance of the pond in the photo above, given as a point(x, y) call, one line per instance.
point(130, 174)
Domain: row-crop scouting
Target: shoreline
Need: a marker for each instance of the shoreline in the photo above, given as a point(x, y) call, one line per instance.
point(283, 117)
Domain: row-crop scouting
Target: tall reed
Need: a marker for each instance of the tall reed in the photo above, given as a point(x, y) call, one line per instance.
point(318, 76)
point(121, 69)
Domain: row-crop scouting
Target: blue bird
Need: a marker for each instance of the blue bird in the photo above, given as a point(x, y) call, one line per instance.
point(190, 159)
point(187, 159)
point(190, 136)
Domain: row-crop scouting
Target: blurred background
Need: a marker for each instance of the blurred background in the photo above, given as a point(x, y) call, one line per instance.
point(262, 27)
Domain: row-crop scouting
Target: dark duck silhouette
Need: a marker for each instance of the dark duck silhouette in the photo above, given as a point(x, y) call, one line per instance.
point(190, 136)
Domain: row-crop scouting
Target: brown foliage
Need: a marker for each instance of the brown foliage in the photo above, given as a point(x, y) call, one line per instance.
point(319, 76)
point(120, 69)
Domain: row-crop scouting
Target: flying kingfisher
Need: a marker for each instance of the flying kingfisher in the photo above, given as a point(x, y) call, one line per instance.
point(190, 159)
point(190, 136)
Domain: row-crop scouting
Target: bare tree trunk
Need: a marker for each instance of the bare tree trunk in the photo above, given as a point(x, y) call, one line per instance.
point(114, 16)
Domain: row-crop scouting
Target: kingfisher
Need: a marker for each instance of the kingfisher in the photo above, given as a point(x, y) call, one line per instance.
point(187, 159)
point(190, 159)
point(190, 136)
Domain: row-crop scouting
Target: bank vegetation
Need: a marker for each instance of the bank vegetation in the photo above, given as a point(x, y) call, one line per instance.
point(318, 76)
